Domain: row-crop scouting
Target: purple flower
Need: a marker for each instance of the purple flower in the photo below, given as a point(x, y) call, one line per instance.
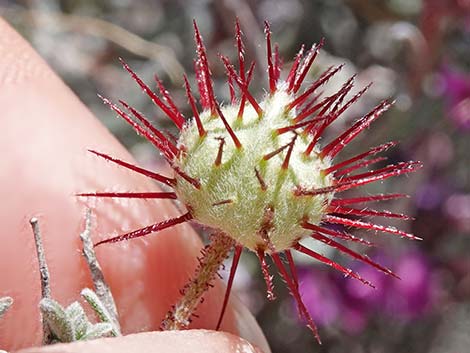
point(413, 293)
point(456, 87)
point(431, 195)
point(350, 304)
point(321, 296)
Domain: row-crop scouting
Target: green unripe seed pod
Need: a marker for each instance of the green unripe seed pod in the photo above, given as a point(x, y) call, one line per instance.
point(248, 192)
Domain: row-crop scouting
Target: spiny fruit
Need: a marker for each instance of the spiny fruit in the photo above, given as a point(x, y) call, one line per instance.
point(256, 172)
point(249, 191)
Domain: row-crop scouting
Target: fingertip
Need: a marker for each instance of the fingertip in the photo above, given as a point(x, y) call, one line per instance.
point(18, 60)
point(190, 341)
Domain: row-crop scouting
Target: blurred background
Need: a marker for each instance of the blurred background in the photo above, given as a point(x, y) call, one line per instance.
point(417, 51)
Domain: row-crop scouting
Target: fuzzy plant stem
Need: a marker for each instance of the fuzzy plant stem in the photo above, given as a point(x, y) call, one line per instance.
point(5, 304)
point(101, 287)
point(44, 272)
point(213, 257)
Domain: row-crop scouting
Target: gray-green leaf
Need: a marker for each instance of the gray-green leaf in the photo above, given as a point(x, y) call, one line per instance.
point(98, 330)
point(5, 304)
point(56, 318)
point(77, 316)
point(100, 309)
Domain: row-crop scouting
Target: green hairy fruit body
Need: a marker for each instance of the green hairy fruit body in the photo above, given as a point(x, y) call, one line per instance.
point(248, 192)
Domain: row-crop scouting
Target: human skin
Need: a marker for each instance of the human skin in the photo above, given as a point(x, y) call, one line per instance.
point(46, 132)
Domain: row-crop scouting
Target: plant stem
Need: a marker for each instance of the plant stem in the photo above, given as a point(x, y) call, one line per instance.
point(214, 255)
point(44, 272)
point(5, 304)
point(102, 289)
